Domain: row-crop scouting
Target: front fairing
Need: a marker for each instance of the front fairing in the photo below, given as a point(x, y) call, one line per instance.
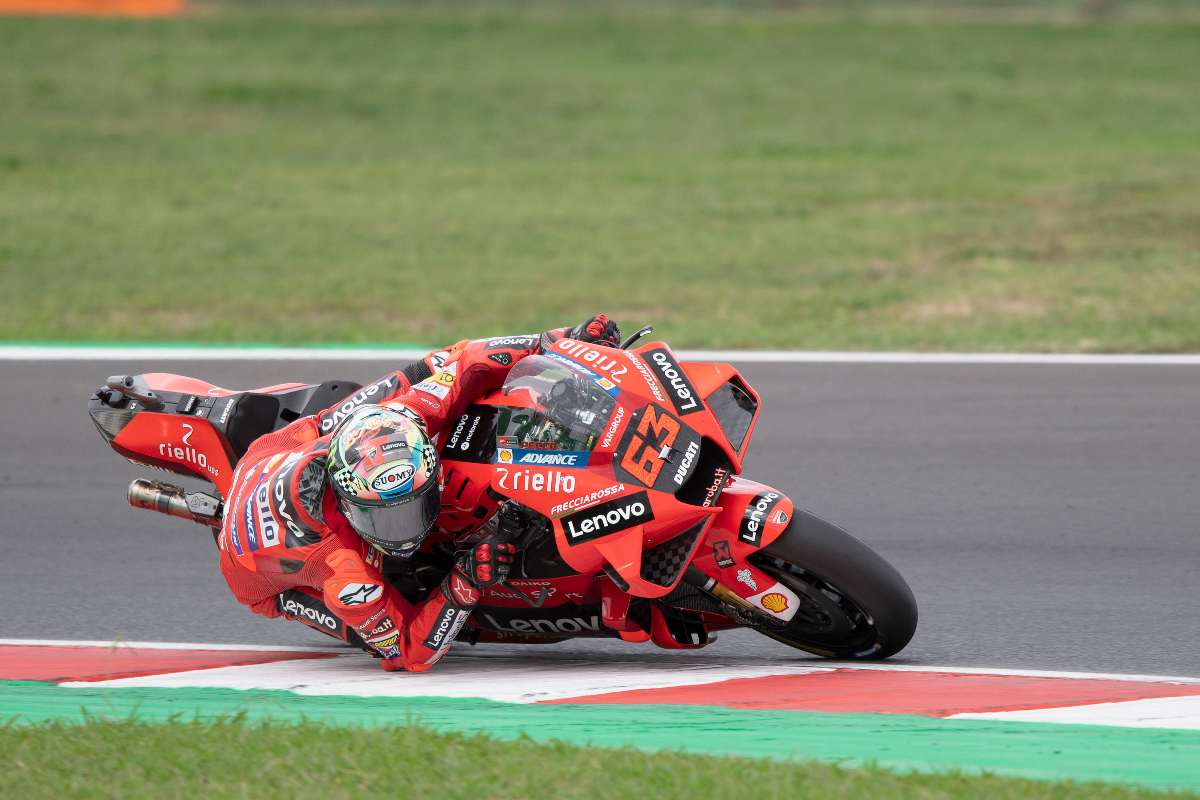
point(619, 450)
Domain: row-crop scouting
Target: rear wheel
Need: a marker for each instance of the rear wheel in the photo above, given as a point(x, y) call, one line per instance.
point(854, 605)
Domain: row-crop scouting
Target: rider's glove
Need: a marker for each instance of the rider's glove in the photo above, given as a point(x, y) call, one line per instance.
point(484, 563)
point(487, 562)
point(597, 330)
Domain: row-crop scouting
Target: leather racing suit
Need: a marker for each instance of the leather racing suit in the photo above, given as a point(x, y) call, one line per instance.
point(287, 550)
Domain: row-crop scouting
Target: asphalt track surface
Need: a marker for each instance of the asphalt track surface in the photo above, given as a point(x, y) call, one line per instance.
point(1046, 517)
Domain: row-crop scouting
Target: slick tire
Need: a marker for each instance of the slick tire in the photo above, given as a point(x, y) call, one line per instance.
point(854, 605)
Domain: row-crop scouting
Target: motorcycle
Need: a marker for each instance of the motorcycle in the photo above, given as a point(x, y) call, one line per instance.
point(626, 466)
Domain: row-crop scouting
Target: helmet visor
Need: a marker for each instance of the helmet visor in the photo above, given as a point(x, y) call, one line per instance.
point(397, 529)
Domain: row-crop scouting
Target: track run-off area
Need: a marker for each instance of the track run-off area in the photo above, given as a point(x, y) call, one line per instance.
point(1045, 513)
point(1129, 729)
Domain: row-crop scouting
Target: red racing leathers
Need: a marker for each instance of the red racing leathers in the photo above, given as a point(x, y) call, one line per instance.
point(287, 550)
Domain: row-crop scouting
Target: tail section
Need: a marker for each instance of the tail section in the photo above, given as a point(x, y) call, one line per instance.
point(191, 427)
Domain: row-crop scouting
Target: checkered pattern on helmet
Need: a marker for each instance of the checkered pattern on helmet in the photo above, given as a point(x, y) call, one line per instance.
point(664, 563)
point(346, 482)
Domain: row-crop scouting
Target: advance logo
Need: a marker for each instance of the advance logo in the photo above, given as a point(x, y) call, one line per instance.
point(606, 518)
point(542, 458)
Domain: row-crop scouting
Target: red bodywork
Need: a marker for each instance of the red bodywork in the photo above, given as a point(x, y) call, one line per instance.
point(610, 567)
point(185, 444)
point(659, 403)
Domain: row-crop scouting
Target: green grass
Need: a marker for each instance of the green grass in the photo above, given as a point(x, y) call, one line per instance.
point(414, 173)
point(234, 758)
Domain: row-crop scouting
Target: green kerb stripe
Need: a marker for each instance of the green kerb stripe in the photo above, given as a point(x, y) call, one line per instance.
point(1156, 758)
point(151, 346)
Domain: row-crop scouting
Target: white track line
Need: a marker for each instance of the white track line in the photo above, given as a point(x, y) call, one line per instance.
point(117, 645)
point(1017, 673)
point(185, 353)
point(1181, 713)
point(633, 662)
point(508, 680)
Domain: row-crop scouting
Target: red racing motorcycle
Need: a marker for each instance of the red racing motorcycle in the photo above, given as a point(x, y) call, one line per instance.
point(626, 467)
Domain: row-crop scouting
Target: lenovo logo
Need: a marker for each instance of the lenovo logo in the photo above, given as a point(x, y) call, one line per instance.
point(606, 518)
point(683, 394)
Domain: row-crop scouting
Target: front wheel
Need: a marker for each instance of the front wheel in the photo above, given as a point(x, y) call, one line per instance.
point(854, 605)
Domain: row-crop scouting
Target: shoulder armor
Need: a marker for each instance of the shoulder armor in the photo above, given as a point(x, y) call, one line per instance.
point(292, 493)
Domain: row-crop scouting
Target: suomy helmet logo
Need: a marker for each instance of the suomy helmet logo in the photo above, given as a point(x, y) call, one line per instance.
point(393, 477)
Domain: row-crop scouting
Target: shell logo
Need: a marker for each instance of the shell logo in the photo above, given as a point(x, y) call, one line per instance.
point(774, 601)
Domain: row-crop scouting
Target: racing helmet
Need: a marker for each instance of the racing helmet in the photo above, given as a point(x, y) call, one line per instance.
point(385, 473)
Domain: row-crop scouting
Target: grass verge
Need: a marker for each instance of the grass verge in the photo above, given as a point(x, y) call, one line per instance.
point(236, 758)
point(414, 172)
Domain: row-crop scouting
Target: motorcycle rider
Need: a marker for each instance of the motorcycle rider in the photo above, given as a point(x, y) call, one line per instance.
point(316, 506)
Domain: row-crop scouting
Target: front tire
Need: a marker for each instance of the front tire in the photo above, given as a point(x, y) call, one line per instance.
point(854, 604)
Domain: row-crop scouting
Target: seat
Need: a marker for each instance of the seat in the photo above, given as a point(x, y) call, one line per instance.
point(256, 414)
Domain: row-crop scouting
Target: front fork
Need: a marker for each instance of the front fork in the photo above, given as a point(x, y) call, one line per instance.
point(753, 515)
point(741, 610)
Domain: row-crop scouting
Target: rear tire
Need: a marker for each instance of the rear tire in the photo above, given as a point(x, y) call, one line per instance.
point(854, 604)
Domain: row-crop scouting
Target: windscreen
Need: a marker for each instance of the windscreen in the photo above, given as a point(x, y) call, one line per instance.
point(567, 411)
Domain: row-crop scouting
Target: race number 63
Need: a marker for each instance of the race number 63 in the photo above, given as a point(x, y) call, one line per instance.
point(655, 432)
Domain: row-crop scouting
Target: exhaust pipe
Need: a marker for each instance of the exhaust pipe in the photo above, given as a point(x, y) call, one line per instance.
point(172, 500)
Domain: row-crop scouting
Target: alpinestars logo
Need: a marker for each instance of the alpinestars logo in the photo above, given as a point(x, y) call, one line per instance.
point(357, 594)
point(605, 518)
